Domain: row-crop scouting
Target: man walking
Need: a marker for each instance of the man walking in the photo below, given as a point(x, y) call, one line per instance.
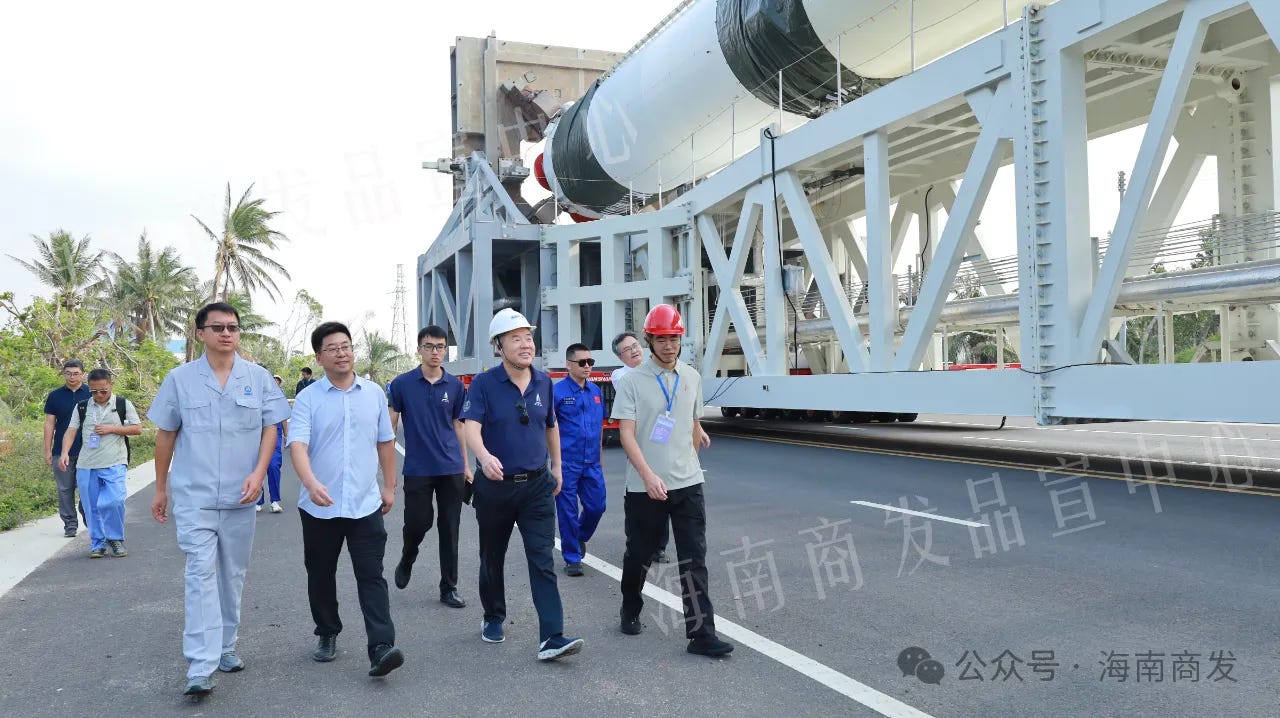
point(274, 468)
point(511, 428)
point(429, 399)
point(57, 415)
point(580, 415)
point(659, 409)
point(217, 421)
point(627, 348)
point(103, 463)
point(305, 381)
point(340, 435)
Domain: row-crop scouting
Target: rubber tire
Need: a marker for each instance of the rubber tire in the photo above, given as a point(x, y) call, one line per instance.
point(908, 418)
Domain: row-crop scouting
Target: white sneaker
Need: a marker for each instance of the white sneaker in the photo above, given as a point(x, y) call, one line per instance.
point(258, 508)
point(275, 507)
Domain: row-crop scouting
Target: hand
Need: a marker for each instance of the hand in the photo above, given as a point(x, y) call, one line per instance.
point(319, 495)
point(701, 440)
point(160, 506)
point(252, 488)
point(491, 467)
point(104, 429)
point(654, 487)
point(555, 473)
point(388, 498)
point(48, 458)
point(470, 477)
point(64, 461)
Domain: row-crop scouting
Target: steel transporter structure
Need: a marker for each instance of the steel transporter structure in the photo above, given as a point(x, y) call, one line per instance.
point(771, 203)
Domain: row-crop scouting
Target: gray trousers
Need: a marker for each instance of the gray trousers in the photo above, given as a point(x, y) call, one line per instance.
point(66, 481)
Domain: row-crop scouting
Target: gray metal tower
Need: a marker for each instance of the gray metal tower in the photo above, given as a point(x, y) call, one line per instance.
point(399, 324)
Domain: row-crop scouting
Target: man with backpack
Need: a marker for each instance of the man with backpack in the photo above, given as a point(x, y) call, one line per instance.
point(107, 421)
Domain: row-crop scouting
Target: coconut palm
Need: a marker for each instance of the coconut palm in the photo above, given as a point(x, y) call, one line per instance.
point(156, 284)
point(381, 359)
point(241, 261)
point(67, 265)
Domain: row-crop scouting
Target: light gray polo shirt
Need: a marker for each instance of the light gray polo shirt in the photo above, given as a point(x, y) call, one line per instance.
point(111, 449)
point(640, 399)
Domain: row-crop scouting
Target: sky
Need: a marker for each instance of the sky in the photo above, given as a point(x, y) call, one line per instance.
point(117, 118)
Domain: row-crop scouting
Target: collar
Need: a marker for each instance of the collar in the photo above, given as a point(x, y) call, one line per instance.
point(500, 372)
point(655, 369)
point(111, 400)
point(444, 376)
point(325, 385)
point(238, 366)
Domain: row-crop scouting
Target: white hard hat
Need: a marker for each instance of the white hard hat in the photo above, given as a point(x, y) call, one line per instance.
point(507, 320)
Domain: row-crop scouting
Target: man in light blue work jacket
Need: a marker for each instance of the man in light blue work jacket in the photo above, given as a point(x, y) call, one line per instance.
point(217, 421)
point(579, 409)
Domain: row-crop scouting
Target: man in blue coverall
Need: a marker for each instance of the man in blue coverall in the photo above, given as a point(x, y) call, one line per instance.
point(580, 413)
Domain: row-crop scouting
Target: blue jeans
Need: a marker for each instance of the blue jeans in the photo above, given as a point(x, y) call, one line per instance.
point(500, 507)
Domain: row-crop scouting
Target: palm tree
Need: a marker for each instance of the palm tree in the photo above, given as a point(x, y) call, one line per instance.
point(381, 358)
point(156, 284)
point(241, 260)
point(67, 265)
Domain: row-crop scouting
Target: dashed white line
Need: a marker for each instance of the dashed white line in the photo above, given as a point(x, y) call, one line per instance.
point(800, 663)
point(923, 514)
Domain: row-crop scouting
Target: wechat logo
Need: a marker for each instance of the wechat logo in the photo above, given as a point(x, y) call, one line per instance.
point(916, 661)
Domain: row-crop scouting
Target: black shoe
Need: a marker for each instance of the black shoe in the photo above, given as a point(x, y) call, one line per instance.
point(573, 569)
point(69, 533)
point(631, 625)
point(660, 556)
point(327, 650)
point(451, 599)
point(403, 572)
point(583, 546)
point(386, 658)
point(709, 646)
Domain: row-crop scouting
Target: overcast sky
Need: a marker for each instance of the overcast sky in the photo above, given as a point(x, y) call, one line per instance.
point(120, 117)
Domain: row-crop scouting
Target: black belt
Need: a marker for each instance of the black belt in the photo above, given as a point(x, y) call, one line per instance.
point(523, 476)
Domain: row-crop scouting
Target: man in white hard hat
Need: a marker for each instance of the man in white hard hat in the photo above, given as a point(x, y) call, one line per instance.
point(511, 429)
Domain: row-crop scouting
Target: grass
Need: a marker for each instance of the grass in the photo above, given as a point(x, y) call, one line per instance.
point(27, 491)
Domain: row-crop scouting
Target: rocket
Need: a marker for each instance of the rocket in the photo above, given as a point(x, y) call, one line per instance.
point(695, 95)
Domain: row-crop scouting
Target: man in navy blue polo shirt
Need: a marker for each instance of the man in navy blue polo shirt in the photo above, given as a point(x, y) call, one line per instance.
point(580, 416)
point(57, 416)
point(430, 401)
point(511, 428)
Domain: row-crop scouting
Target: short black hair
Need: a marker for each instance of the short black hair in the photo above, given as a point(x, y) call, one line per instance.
point(618, 340)
point(432, 331)
point(306, 370)
point(203, 314)
point(100, 374)
point(575, 348)
point(73, 364)
point(324, 330)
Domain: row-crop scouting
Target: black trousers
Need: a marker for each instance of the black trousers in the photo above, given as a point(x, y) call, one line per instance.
point(500, 507)
point(646, 522)
point(418, 492)
point(366, 540)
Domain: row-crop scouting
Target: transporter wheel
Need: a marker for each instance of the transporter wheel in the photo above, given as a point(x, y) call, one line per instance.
point(884, 417)
point(729, 412)
point(908, 417)
point(859, 417)
point(750, 413)
point(842, 417)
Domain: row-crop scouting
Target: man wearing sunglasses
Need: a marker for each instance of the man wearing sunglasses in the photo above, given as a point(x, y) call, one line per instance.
point(580, 415)
point(511, 428)
point(217, 421)
point(429, 399)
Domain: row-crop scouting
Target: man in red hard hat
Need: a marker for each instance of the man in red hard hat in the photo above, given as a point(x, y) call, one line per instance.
point(659, 409)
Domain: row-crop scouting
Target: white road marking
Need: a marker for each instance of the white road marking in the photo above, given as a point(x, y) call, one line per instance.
point(935, 517)
point(1060, 429)
point(996, 438)
point(802, 664)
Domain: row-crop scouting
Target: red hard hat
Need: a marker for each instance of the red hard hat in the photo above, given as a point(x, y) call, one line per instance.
point(663, 319)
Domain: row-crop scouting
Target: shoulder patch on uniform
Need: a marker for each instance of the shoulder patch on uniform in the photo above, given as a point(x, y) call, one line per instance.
point(597, 398)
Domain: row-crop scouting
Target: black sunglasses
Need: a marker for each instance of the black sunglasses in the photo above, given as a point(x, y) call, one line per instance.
point(524, 413)
point(583, 362)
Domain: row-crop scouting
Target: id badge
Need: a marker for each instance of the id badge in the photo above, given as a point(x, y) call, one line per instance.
point(662, 430)
point(92, 440)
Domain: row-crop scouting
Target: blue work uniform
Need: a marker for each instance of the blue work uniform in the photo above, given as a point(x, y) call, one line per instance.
point(274, 468)
point(580, 504)
point(219, 430)
point(513, 427)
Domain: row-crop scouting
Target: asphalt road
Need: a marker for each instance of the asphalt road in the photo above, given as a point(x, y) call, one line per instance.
point(1181, 571)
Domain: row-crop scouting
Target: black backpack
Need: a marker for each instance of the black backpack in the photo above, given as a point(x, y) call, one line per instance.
point(83, 407)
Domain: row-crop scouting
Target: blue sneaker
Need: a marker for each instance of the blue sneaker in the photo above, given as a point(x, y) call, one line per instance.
point(559, 647)
point(491, 632)
point(198, 686)
point(230, 663)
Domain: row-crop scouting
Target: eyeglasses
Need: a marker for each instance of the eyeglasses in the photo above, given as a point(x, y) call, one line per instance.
point(340, 349)
point(583, 362)
point(99, 391)
point(630, 349)
point(433, 347)
point(222, 328)
point(524, 413)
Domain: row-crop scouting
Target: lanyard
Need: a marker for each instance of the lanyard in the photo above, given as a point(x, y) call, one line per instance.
point(671, 398)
